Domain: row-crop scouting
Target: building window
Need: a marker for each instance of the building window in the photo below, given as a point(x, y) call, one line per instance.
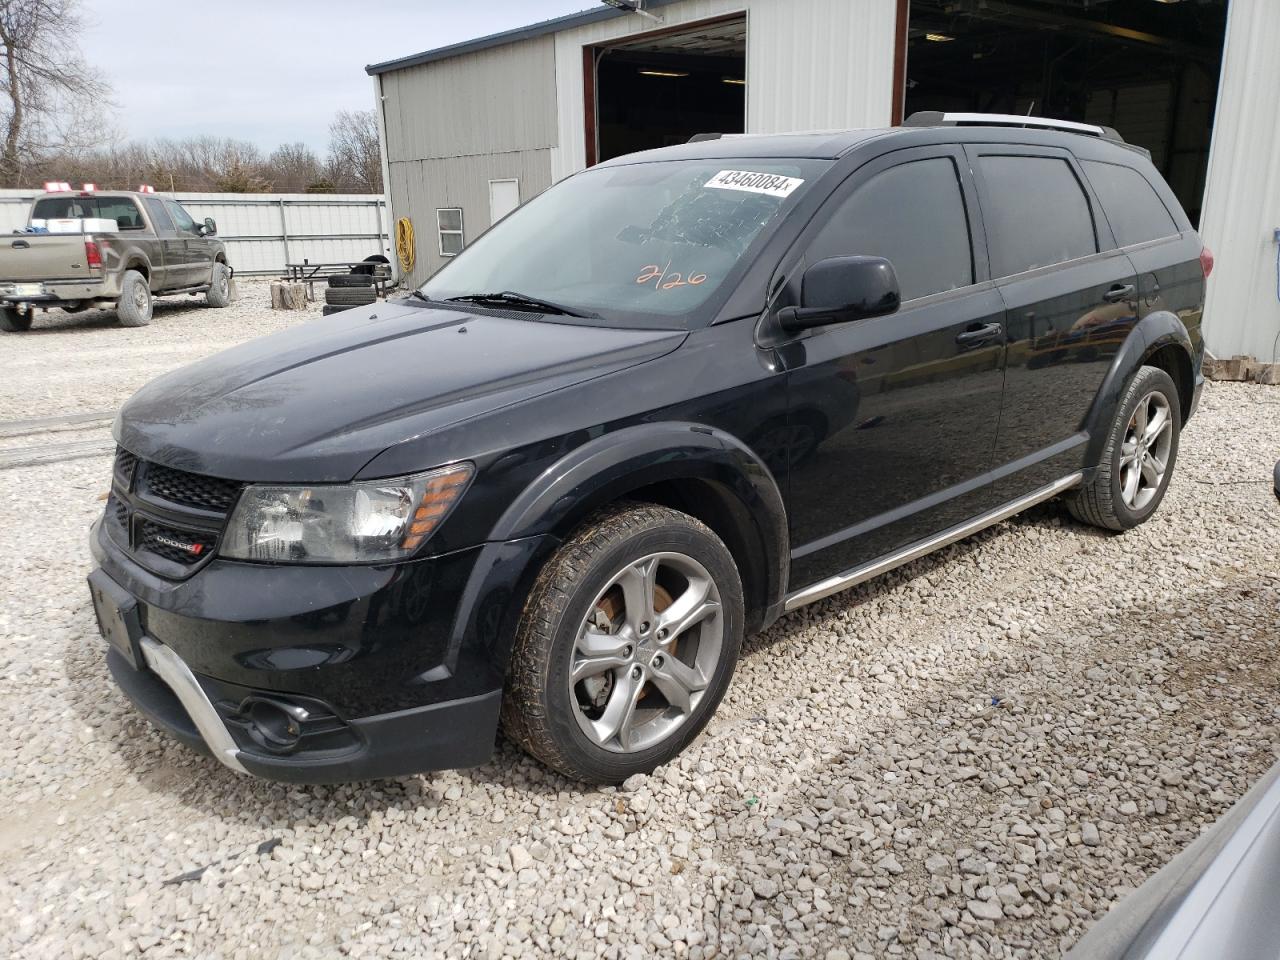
point(449, 226)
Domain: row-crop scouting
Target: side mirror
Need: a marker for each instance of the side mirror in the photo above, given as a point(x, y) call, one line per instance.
point(841, 289)
point(210, 228)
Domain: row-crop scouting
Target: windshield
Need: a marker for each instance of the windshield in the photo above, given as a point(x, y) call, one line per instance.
point(643, 244)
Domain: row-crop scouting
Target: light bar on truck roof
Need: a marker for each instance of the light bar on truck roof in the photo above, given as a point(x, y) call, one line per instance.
point(146, 188)
point(57, 186)
point(89, 187)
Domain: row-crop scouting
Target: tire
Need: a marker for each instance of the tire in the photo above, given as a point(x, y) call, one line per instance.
point(344, 280)
point(11, 321)
point(219, 292)
point(1107, 502)
point(374, 262)
point(330, 309)
point(550, 717)
point(135, 306)
point(350, 296)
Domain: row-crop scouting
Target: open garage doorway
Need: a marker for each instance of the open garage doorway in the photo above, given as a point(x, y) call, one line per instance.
point(1149, 68)
point(662, 88)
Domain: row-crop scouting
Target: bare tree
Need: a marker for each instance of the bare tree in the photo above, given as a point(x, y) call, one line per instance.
point(52, 100)
point(293, 167)
point(355, 159)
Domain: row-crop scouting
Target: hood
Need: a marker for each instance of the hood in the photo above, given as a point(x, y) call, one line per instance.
point(320, 400)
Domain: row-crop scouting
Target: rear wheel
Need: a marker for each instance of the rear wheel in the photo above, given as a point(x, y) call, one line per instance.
point(1138, 460)
point(628, 641)
point(135, 306)
point(11, 321)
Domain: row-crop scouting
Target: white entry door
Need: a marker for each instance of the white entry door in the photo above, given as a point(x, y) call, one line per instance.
point(504, 196)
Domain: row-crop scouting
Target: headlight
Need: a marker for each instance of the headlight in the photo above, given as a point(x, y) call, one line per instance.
point(343, 523)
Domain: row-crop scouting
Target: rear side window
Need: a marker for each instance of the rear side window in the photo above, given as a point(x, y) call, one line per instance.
point(1134, 209)
point(1036, 213)
point(159, 215)
point(913, 215)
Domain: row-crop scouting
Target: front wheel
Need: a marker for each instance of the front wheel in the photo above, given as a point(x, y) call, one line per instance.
point(1138, 459)
point(628, 641)
point(219, 292)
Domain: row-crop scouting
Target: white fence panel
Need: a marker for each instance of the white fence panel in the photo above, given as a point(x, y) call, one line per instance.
point(264, 231)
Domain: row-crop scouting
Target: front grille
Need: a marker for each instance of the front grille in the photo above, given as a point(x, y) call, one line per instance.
point(184, 547)
point(189, 489)
point(168, 520)
point(125, 464)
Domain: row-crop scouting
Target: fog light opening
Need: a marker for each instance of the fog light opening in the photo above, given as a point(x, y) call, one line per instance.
point(275, 725)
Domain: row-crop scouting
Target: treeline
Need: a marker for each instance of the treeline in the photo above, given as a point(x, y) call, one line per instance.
point(218, 164)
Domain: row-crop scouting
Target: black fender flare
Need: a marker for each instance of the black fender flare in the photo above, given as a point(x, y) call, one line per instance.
point(608, 467)
point(1153, 332)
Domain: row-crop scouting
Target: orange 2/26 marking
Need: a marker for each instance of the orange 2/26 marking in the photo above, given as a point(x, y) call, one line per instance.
point(668, 281)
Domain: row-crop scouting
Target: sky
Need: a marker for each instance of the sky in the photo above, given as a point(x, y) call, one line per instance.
point(270, 71)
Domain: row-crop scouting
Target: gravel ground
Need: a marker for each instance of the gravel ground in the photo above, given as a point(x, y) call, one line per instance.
point(974, 756)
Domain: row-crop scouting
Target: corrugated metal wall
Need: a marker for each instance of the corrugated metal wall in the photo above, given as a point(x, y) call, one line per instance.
point(264, 231)
point(811, 65)
point(454, 125)
point(1242, 198)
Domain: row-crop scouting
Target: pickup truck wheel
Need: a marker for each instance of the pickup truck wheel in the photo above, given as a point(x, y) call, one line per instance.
point(1139, 456)
point(628, 640)
point(219, 292)
point(11, 321)
point(134, 308)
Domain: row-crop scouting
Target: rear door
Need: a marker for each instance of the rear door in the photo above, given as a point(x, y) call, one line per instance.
point(894, 418)
point(1070, 300)
point(173, 249)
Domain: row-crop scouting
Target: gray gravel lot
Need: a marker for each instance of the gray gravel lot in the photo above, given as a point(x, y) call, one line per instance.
point(974, 756)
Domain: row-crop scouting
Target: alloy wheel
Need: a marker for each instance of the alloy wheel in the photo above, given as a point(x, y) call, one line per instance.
point(1144, 452)
point(646, 652)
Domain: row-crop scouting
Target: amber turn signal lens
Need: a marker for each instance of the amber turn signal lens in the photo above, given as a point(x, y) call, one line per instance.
point(438, 497)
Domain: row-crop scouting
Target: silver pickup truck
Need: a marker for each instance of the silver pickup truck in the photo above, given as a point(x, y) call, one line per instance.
point(155, 248)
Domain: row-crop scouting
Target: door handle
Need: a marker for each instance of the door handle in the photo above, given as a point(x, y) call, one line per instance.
point(1121, 291)
point(20, 245)
point(976, 335)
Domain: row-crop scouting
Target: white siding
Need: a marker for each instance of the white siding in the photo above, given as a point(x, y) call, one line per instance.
point(322, 228)
point(811, 65)
point(1242, 199)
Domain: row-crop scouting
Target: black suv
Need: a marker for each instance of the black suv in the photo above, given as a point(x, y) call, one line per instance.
point(670, 399)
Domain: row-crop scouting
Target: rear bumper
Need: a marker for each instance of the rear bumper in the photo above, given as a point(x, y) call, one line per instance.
point(62, 291)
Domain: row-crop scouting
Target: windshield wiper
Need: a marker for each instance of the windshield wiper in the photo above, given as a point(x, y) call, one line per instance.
point(518, 300)
point(421, 296)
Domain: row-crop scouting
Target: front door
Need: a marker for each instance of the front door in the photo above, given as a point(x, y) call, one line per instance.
point(1071, 300)
point(894, 418)
point(198, 255)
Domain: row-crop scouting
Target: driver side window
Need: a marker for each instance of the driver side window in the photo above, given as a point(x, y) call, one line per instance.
point(913, 215)
point(180, 217)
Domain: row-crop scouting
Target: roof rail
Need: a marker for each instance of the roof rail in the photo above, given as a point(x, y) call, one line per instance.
point(936, 118)
point(704, 137)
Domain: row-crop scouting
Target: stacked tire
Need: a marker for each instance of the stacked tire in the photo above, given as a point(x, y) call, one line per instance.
point(348, 290)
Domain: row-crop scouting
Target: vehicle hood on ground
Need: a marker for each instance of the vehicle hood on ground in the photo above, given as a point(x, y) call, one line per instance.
point(317, 402)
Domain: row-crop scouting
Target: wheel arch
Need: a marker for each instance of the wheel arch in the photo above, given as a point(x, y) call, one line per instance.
point(696, 469)
point(1159, 339)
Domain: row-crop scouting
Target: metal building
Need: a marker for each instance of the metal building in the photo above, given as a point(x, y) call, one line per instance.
point(471, 130)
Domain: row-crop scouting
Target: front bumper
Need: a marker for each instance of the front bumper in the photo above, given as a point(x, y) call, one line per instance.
point(390, 670)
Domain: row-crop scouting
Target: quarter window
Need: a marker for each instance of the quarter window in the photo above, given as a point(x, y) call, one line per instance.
point(449, 225)
point(1036, 213)
point(1133, 208)
point(913, 215)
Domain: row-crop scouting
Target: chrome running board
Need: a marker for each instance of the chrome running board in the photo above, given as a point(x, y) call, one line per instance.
point(851, 578)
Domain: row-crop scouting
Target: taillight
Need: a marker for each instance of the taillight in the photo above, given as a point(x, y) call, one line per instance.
point(92, 255)
point(1206, 261)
